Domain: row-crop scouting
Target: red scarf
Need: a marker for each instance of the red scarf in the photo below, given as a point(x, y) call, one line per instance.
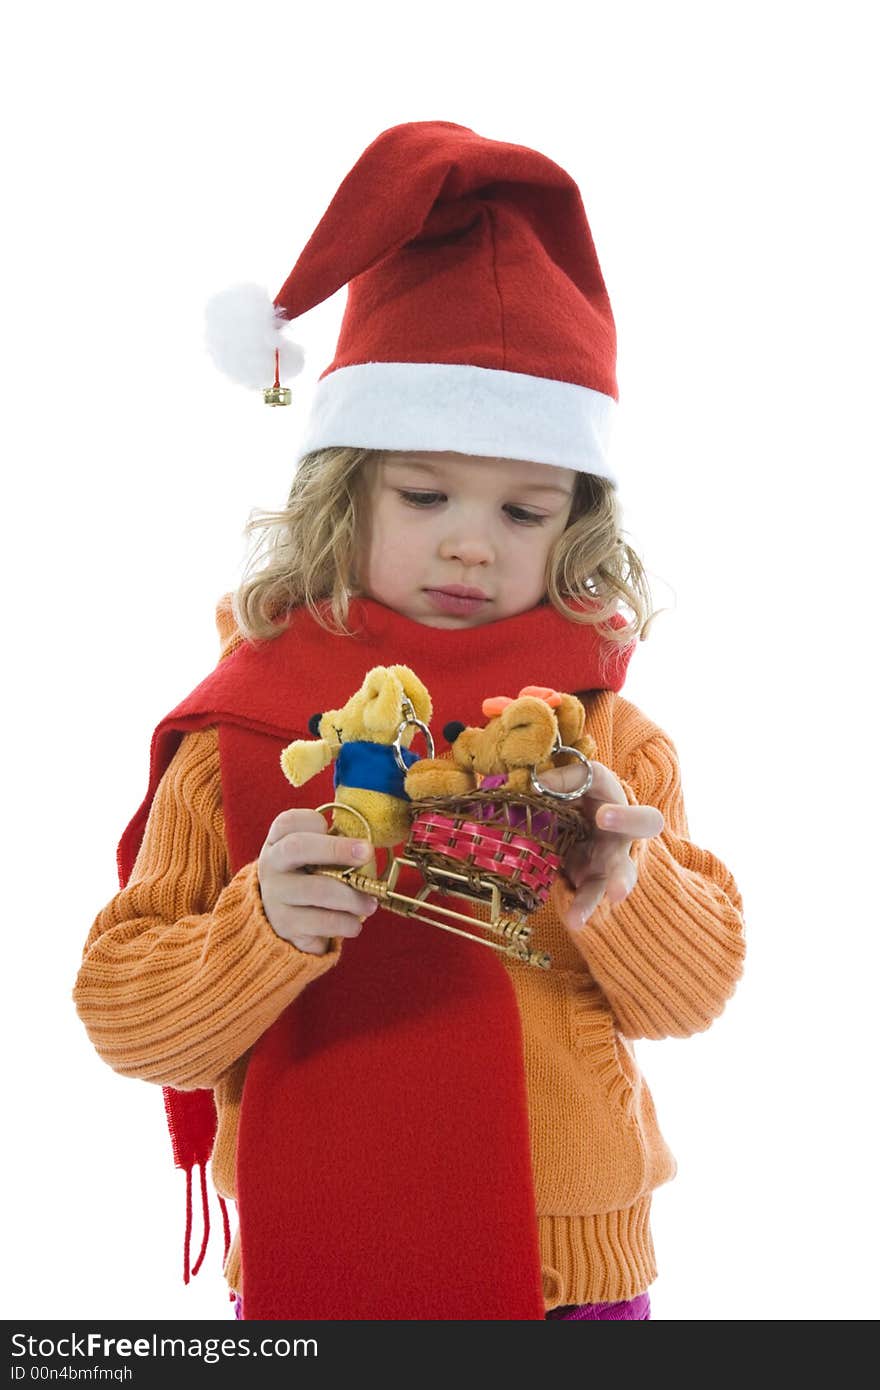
point(383, 1167)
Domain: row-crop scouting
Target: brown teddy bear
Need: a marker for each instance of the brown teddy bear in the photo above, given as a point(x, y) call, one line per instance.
point(519, 739)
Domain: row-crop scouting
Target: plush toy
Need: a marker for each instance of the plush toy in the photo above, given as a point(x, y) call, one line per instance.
point(521, 737)
point(364, 737)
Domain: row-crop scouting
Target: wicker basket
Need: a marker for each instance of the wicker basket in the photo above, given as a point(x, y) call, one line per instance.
point(514, 840)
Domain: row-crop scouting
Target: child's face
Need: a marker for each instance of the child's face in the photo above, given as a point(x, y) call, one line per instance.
point(440, 521)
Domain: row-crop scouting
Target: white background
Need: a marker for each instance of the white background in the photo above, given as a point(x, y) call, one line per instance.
point(726, 155)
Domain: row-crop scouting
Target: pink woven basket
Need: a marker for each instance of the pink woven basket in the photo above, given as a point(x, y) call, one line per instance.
point(513, 841)
point(485, 848)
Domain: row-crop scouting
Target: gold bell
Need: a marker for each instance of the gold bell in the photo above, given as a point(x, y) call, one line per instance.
point(277, 394)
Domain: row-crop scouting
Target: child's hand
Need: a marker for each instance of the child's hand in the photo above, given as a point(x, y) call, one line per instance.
point(602, 861)
point(307, 909)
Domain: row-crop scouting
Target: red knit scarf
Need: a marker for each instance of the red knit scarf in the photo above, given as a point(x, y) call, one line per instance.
point(383, 1167)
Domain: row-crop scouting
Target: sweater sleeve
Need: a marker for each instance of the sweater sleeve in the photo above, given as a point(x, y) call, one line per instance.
point(182, 971)
point(669, 956)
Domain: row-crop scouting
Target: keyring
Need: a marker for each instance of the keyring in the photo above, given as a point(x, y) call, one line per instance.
point(411, 719)
point(539, 787)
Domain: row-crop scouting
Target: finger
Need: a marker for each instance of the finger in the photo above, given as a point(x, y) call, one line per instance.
point(635, 822)
point(313, 945)
point(576, 906)
point(622, 880)
point(296, 819)
point(301, 922)
point(585, 878)
point(307, 848)
point(317, 890)
point(603, 787)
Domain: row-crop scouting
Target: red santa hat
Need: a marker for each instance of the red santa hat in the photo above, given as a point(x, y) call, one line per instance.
point(477, 320)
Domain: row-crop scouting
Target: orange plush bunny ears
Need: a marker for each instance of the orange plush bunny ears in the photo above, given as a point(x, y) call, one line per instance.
point(494, 704)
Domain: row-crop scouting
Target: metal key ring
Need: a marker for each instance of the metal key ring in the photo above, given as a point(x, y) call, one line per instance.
point(404, 767)
point(539, 787)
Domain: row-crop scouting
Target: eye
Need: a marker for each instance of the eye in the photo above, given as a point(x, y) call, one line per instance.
point(420, 499)
point(524, 518)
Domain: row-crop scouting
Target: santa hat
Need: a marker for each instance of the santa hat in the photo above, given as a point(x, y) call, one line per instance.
point(477, 320)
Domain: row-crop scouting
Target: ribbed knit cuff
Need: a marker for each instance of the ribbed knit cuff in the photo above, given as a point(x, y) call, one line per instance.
point(597, 1259)
point(668, 956)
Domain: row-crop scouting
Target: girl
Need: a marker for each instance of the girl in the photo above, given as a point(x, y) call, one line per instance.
point(412, 1126)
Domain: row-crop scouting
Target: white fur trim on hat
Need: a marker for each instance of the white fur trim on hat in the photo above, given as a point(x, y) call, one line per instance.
point(462, 409)
point(242, 332)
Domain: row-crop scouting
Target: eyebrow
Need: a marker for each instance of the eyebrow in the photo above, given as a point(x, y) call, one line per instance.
point(518, 487)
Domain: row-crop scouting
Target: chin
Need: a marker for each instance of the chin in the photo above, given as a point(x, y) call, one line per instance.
point(456, 621)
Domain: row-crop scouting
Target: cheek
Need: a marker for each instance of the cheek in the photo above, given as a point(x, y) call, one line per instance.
point(376, 551)
point(392, 547)
point(375, 543)
point(530, 550)
point(410, 531)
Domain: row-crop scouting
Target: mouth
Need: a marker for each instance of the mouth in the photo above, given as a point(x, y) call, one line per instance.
point(457, 598)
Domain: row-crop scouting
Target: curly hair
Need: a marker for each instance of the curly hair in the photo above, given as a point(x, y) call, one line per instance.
point(306, 554)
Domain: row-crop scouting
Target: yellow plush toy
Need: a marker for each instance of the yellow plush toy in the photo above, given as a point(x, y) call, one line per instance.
point(364, 738)
point(522, 737)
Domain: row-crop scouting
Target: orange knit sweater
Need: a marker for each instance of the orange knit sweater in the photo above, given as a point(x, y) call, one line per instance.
point(182, 972)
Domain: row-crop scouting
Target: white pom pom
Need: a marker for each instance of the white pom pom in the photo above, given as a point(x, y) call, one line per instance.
point(242, 333)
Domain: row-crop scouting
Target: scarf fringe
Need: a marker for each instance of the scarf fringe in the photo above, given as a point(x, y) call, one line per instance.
point(206, 1223)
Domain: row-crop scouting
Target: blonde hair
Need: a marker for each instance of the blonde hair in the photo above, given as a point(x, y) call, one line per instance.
point(308, 552)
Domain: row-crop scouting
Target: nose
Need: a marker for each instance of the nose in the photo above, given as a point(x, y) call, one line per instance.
point(469, 547)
